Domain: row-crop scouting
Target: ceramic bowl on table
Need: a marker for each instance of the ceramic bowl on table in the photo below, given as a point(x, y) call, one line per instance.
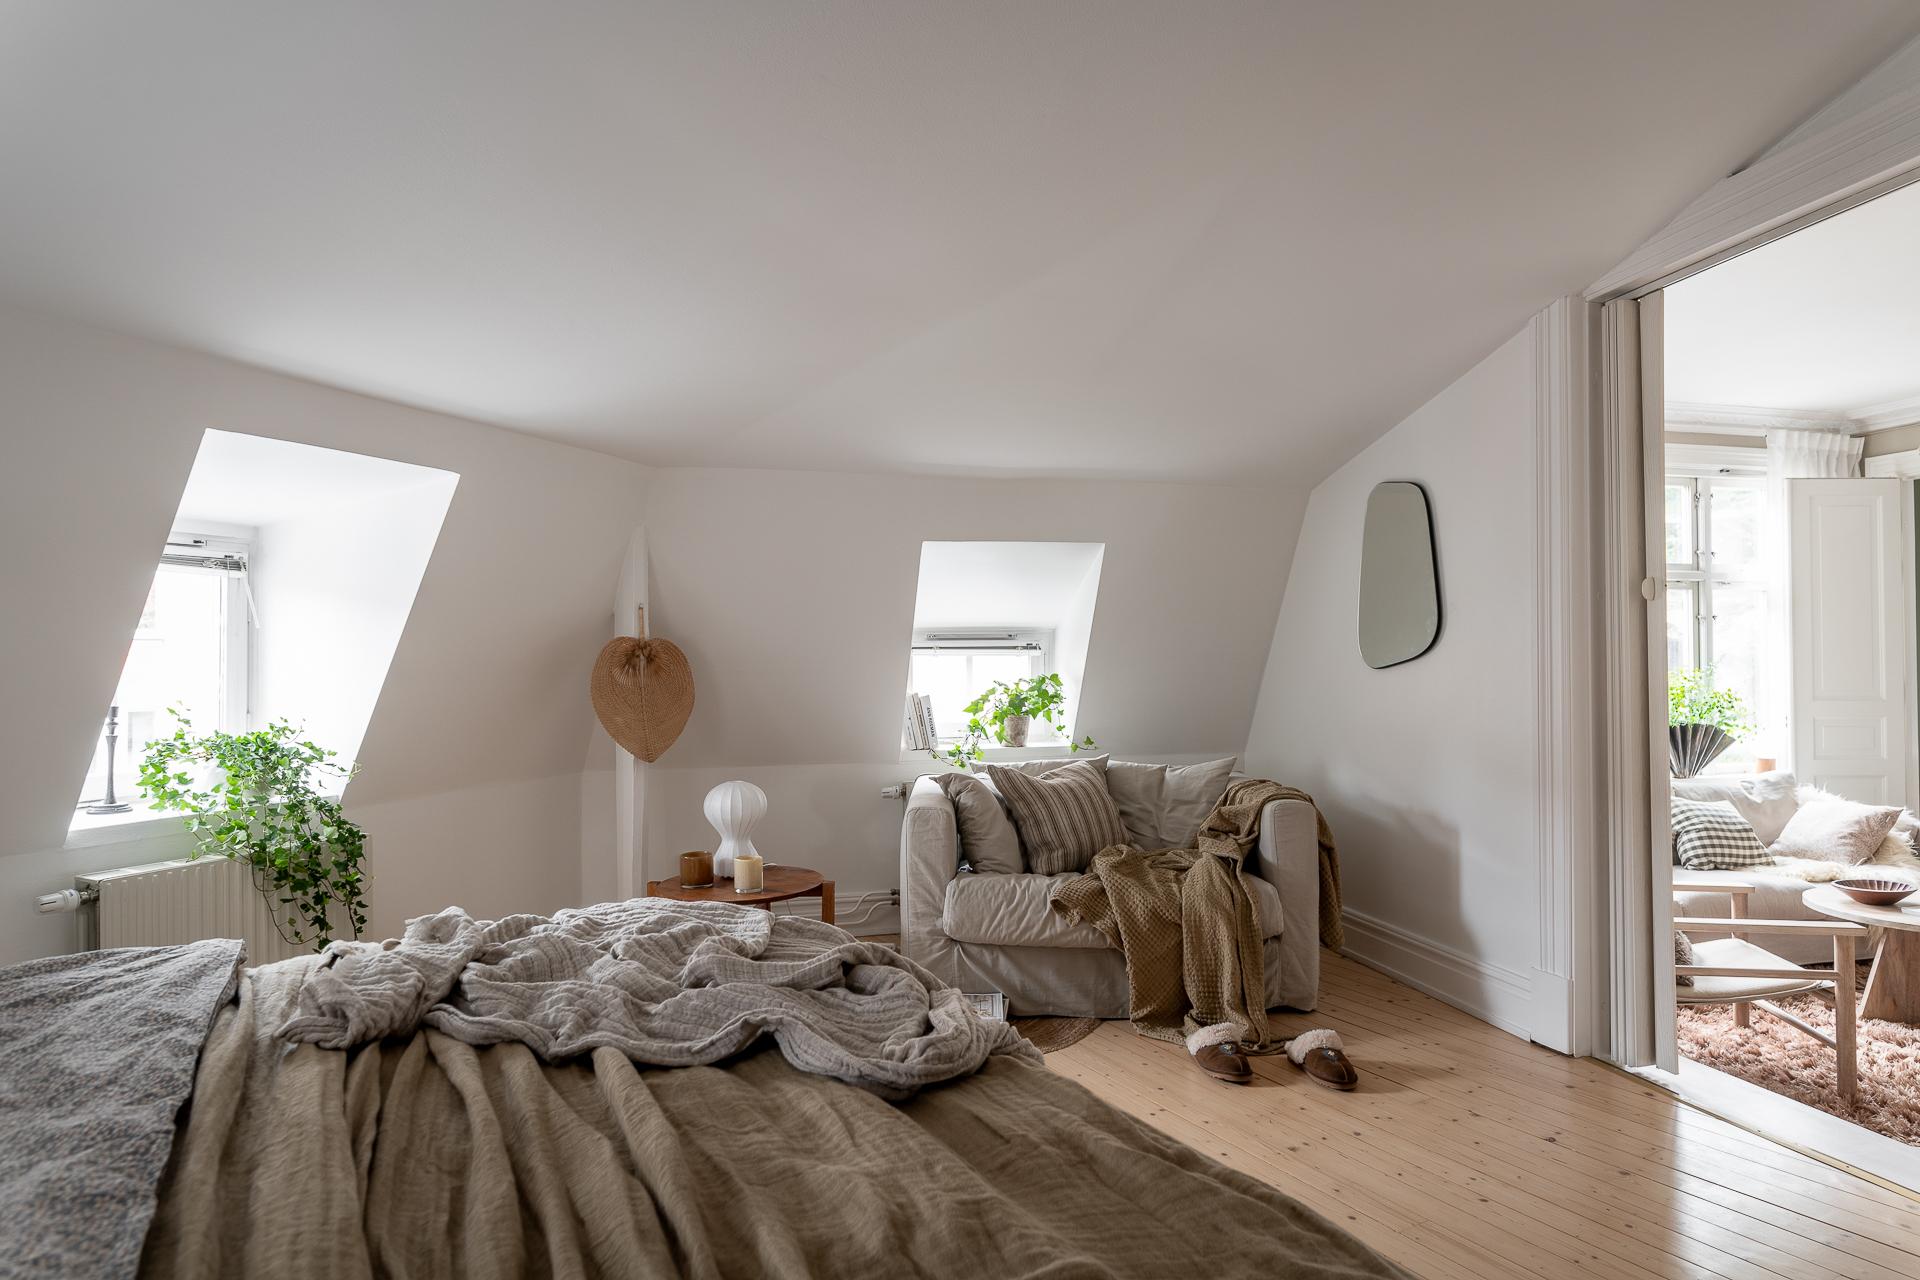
point(1875, 892)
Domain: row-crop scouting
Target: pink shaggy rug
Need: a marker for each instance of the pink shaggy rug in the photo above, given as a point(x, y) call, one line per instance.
point(1782, 1060)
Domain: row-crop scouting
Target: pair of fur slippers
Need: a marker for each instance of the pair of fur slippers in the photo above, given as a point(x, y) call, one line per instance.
point(1216, 1051)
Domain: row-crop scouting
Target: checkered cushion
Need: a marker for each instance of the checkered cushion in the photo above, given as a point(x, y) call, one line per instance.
point(1710, 835)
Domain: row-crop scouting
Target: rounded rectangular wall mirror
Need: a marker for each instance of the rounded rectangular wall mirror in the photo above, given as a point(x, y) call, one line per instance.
point(1399, 589)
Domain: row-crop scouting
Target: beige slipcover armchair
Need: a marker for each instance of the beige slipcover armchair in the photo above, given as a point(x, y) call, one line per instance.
point(995, 932)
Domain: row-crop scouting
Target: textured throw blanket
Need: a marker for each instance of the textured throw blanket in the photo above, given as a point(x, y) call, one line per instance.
point(668, 984)
point(1185, 919)
point(421, 1156)
point(97, 1053)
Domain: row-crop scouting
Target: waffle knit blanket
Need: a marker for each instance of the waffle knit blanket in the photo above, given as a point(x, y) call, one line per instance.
point(668, 984)
point(1185, 919)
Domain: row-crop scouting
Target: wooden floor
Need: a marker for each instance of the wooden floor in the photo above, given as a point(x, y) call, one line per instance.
point(1467, 1153)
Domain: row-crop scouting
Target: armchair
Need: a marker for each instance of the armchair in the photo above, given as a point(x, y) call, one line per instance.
point(995, 932)
point(1734, 971)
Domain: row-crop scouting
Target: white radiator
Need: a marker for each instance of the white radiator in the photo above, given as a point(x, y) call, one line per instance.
point(169, 902)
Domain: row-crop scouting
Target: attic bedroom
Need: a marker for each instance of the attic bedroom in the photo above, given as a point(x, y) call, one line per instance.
point(754, 639)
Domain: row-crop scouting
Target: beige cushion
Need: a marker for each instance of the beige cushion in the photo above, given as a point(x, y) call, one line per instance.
point(1836, 830)
point(1732, 953)
point(1063, 817)
point(988, 841)
point(1036, 768)
point(1765, 800)
point(1012, 911)
point(1162, 806)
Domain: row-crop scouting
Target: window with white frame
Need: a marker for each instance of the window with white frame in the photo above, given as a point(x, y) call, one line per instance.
point(953, 668)
point(1718, 587)
point(190, 650)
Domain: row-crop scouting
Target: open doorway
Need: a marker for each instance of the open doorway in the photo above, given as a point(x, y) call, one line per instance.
point(1790, 453)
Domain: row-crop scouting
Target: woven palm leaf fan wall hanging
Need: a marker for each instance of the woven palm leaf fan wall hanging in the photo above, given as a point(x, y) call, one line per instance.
point(643, 692)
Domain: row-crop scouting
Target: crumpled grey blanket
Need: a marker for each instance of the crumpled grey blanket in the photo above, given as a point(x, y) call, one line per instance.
point(667, 983)
point(97, 1054)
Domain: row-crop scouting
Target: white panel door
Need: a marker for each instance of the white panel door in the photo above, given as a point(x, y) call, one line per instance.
point(1850, 731)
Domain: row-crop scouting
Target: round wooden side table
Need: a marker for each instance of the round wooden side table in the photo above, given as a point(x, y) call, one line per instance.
point(782, 882)
point(1893, 984)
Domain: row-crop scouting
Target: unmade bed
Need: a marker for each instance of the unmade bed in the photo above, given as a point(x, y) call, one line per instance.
point(421, 1154)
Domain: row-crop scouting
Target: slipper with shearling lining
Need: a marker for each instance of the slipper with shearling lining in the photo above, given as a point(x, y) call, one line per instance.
point(1321, 1055)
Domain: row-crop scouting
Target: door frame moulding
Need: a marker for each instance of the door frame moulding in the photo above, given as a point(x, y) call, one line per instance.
point(1843, 166)
point(1821, 176)
point(1564, 979)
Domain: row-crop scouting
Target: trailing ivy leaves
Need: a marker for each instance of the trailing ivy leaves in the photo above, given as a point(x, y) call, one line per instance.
point(1040, 698)
point(259, 801)
point(1692, 699)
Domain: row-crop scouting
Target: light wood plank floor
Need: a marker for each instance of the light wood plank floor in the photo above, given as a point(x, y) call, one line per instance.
point(1469, 1154)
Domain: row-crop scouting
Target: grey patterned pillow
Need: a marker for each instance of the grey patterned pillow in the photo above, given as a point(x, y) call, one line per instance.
point(1682, 954)
point(1064, 817)
point(1710, 835)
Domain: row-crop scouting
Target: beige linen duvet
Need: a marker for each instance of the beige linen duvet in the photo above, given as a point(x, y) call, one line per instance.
point(425, 1156)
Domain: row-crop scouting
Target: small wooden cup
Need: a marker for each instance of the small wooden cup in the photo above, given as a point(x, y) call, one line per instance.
point(696, 869)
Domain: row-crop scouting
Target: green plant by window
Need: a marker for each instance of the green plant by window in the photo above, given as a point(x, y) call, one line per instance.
point(1692, 699)
point(1039, 698)
point(263, 806)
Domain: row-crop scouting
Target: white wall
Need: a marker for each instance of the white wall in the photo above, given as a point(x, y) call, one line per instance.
point(1425, 770)
point(334, 587)
point(793, 596)
point(485, 780)
point(471, 785)
point(1071, 637)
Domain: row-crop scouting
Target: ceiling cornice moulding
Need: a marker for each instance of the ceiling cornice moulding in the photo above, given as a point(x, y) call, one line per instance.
point(1743, 419)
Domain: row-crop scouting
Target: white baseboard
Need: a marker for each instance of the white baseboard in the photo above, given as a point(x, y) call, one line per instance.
point(1490, 993)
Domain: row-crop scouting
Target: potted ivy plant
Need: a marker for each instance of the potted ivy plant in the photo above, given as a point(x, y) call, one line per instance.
point(261, 798)
point(1702, 721)
point(1006, 712)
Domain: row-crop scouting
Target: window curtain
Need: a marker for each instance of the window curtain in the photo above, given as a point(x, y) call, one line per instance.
point(1793, 455)
point(1811, 455)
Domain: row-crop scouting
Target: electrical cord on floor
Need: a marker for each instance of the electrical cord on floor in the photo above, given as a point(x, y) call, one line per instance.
point(888, 898)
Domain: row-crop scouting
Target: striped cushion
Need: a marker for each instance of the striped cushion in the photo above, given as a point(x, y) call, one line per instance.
point(1712, 836)
point(1064, 817)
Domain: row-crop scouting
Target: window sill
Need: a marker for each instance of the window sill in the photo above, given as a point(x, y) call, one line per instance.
point(90, 830)
point(1039, 751)
point(142, 822)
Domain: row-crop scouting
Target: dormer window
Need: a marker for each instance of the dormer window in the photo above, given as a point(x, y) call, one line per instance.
point(1000, 611)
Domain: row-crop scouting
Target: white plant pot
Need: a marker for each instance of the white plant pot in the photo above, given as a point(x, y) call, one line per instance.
point(734, 809)
point(1016, 729)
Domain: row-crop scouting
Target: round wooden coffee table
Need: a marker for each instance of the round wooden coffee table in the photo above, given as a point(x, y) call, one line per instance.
point(782, 882)
point(1893, 984)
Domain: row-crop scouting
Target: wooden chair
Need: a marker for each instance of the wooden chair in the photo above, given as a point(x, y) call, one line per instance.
point(1734, 971)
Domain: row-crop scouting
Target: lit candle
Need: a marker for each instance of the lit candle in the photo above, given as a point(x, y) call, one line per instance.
point(749, 873)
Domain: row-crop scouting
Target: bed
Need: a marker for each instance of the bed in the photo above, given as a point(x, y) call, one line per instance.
point(448, 1150)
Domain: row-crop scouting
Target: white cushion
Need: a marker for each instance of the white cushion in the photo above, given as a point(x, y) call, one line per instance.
point(1774, 897)
point(1765, 800)
point(1733, 953)
point(1013, 911)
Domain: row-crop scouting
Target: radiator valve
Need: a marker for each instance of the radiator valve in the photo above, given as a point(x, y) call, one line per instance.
point(65, 900)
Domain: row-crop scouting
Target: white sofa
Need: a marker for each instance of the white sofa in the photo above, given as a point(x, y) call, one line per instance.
point(1767, 801)
point(995, 932)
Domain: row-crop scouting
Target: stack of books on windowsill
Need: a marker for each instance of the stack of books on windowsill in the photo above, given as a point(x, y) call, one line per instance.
point(919, 731)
